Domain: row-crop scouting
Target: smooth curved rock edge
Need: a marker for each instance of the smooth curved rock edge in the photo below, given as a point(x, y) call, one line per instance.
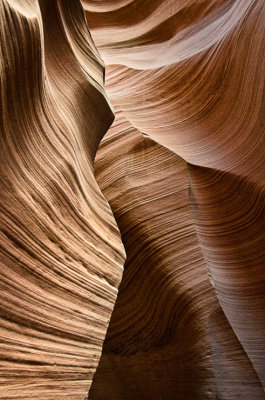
point(61, 253)
point(189, 319)
point(190, 75)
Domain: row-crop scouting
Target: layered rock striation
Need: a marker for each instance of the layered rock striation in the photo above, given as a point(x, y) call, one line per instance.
point(194, 74)
point(61, 253)
point(181, 169)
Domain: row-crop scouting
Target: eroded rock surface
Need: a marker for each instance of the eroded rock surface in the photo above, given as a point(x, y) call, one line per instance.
point(188, 201)
point(61, 253)
point(194, 74)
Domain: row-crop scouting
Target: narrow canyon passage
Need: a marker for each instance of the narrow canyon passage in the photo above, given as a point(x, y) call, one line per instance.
point(132, 251)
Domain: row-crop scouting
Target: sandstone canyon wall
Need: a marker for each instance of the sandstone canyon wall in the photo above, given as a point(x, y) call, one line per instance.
point(61, 253)
point(194, 74)
point(182, 171)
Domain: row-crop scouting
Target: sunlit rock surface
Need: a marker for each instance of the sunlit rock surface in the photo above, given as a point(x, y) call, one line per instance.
point(61, 253)
point(190, 75)
point(181, 169)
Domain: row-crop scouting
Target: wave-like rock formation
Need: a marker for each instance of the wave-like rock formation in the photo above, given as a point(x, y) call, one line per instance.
point(157, 345)
point(168, 336)
point(190, 75)
point(182, 169)
point(61, 254)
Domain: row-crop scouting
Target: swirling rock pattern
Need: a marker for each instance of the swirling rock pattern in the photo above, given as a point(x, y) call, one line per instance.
point(207, 107)
point(168, 336)
point(61, 254)
point(157, 346)
point(230, 211)
point(234, 373)
point(194, 74)
point(189, 319)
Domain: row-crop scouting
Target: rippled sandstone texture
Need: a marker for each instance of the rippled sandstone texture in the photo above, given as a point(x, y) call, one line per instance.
point(189, 318)
point(157, 346)
point(60, 249)
point(190, 75)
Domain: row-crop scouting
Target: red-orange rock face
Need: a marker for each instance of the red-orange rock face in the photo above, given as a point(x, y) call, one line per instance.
point(182, 176)
point(191, 76)
point(157, 344)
